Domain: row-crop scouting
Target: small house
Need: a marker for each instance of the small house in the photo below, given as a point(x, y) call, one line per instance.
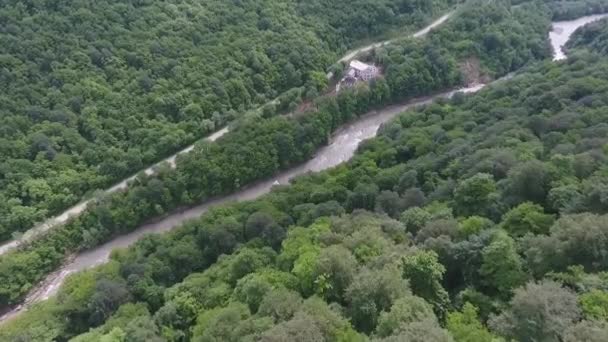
point(357, 72)
point(362, 71)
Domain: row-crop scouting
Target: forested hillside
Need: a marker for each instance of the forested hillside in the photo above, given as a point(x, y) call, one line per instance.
point(593, 37)
point(474, 219)
point(95, 90)
point(571, 9)
point(259, 147)
point(500, 37)
point(480, 218)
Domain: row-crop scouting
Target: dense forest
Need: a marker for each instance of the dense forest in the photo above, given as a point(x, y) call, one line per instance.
point(480, 218)
point(93, 91)
point(258, 147)
point(572, 9)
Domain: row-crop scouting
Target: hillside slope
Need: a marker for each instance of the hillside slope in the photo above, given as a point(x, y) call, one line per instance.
point(93, 91)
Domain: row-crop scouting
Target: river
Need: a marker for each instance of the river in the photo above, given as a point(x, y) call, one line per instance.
point(562, 30)
point(341, 148)
point(80, 207)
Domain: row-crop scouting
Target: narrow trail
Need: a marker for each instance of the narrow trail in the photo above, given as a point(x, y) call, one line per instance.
point(418, 34)
point(80, 207)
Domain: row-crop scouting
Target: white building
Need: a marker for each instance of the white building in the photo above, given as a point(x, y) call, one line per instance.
point(362, 71)
point(357, 72)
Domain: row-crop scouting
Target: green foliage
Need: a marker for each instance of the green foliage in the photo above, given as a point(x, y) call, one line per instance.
point(218, 324)
point(502, 267)
point(575, 277)
point(300, 328)
point(280, 305)
point(422, 331)
point(595, 305)
point(334, 271)
point(538, 312)
point(593, 36)
point(42, 322)
point(527, 218)
point(414, 219)
point(591, 331)
point(304, 268)
point(530, 181)
point(425, 274)
point(331, 323)
point(573, 240)
point(475, 195)
point(571, 9)
point(251, 290)
point(405, 311)
point(371, 293)
point(473, 225)
point(465, 326)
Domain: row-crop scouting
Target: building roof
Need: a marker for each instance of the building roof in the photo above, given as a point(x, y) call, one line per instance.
point(358, 65)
